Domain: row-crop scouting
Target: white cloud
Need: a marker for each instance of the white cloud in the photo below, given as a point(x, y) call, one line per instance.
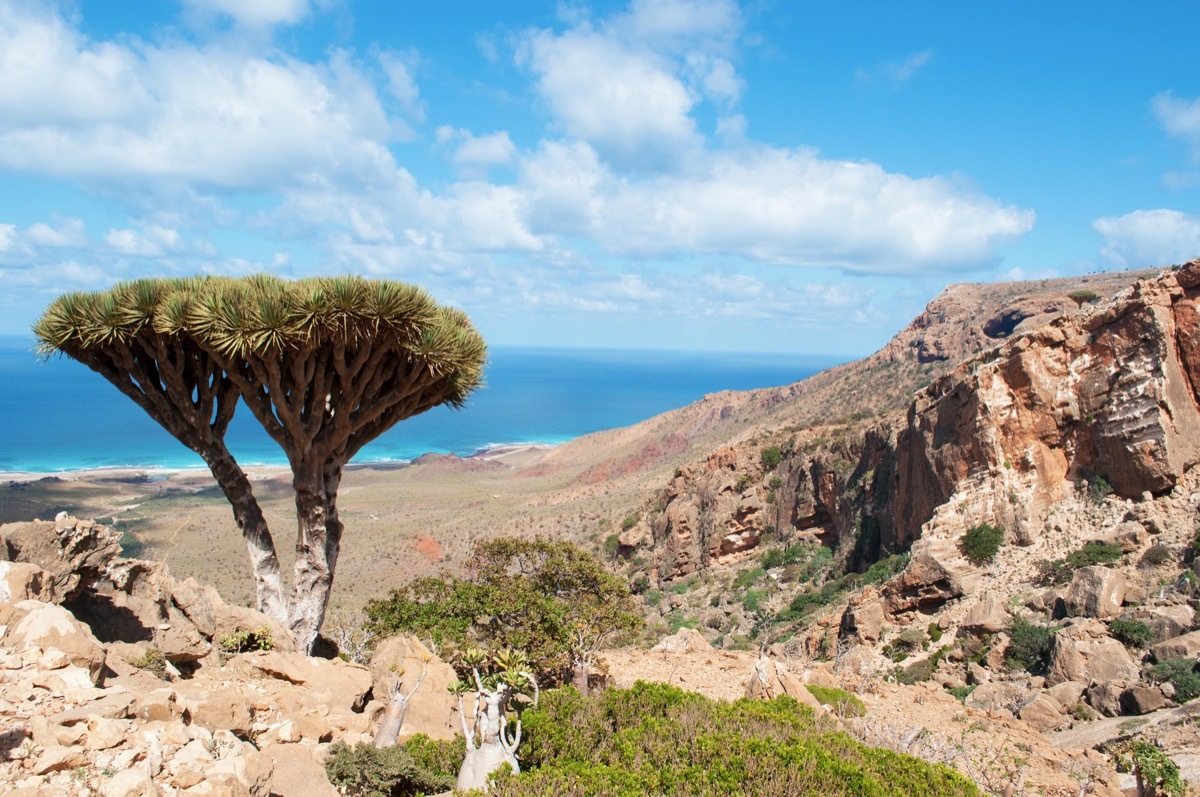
point(150, 242)
point(129, 111)
point(627, 104)
point(8, 236)
point(895, 72)
point(777, 206)
point(68, 233)
point(474, 154)
point(255, 13)
point(1180, 118)
point(1159, 237)
point(399, 68)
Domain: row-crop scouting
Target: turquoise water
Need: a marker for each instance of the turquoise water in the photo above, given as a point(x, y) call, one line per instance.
point(58, 415)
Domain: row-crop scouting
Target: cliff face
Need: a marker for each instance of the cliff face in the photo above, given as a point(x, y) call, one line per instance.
point(1106, 394)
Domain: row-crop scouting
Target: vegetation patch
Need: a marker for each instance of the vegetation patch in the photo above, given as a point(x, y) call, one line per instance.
point(1060, 571)
point(419, 766)
point(1131, 633)
point(247, 641)
point(152, 661)
point(1180, 674)
point(844, 704)
point(656, 739)
point(981, 543)
point(1029, 646)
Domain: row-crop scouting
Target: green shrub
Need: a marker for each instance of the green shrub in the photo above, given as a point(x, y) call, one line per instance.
point(1181, 675)
point(743, 482)
point(441, 757)
point(1060, 571)
point(981, 543)
point(630, 521)
point(844, 703)
point(915, 673)
point(1099, 488)
point(775, 483)
point(1029, 646)
point(612, 545)
point(746, 578)
point(365, 771)
point(771, 457)
point(152, 661)
point(1156, 773)
point(961, 692)
point(640, 584)
point(935, 632)
point(658, 740)
point(247, 641)
point(652, 597)
point(753, 600)
point(1131, 633)
point(1157, 555)
point(1082, 297)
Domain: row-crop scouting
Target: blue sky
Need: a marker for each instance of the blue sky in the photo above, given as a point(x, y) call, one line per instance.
point(678, 174)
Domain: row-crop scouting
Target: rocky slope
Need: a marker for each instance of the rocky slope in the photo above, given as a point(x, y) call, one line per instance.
point(1078, 439)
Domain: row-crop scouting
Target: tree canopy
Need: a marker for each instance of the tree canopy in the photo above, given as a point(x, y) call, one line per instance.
point(325, 364)
point(549, 599)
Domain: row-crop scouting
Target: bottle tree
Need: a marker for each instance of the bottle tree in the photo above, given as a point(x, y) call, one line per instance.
point(325, 364)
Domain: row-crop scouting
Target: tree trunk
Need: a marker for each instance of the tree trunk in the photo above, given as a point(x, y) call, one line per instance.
point(580, 672)
point(313, 575)
point(249, 517)
point(389, 728)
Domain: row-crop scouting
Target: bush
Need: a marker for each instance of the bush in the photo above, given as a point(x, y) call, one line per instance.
point(844, 703)
point(1131, 633)
point(915, 673)
point(152, 661)
point(630, 521)
point(1157, 555)
point(771, 457)
point(247, 641)
point(1029, 646)
point(655, 739)
point(1155, 771)
point(962, 692)
point(981, 543)
point(1060, 571)
point(365, 771)
point(1082, 297)
point(746, 578)
point(754, 600)
point(545, 598)
point(612, 545)
point(1181, 675)
point(1099, 488)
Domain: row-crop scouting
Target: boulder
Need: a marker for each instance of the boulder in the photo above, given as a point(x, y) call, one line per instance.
point(1044, 713)
point(36, 626)
point(1084, 652)
point(1067, 693)
point(300, 770)
point(1138, 700)
point(221, 705)
point(1181, 647)
point(431, 709)
point(987, 615)
point(862, 622)
point(133, 782)
point(1095, 591)
point(1130, 535)
point(339, 686)
point(21, 581)
point(937, 572)
point(1165, 622)
point(1105, 697)
point(685, 640)
point(771, 679)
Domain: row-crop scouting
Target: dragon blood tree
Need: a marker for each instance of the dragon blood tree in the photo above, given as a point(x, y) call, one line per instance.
point(325, 364)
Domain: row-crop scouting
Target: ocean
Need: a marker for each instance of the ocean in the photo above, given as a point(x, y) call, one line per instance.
point(57, 415)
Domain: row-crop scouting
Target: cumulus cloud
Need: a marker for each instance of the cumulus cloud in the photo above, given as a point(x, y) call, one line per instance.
point(1144, 238)
point(897, 71)
point(1180, 118)
point(75, 108)
point(778, 206)
point(150, 242)
point(474, 155)
point(254, 13)
point(68, 233)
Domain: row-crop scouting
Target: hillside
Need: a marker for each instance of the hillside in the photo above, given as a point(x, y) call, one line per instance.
point(824, 522)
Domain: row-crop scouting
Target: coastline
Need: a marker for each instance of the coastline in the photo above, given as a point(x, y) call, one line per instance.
point(509, 453)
